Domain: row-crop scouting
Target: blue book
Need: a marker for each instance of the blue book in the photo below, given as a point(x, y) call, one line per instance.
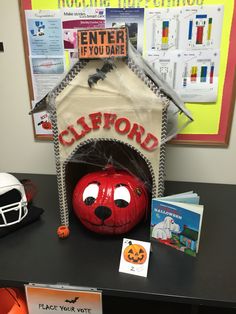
point(176, 221)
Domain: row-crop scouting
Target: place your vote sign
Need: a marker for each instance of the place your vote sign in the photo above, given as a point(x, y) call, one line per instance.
point(56, 300)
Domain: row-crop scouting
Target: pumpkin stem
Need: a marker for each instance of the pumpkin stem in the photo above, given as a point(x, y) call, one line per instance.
point(110, 168)
point(130, 242)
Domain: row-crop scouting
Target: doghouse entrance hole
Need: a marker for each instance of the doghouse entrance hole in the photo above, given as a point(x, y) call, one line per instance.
point(97, 154)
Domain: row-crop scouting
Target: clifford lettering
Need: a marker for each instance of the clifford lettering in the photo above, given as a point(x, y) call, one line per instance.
point(107, 121)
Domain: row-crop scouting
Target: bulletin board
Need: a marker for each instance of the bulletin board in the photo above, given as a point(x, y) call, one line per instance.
point(212, 118)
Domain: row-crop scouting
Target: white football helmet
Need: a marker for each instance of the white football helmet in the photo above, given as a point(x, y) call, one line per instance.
point(13, 201)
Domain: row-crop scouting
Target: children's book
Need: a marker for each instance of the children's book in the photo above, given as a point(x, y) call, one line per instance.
point(176, 221)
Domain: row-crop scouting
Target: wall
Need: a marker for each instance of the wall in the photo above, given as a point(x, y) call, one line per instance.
point(19, 152)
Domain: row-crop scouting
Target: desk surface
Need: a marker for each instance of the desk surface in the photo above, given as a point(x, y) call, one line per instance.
point(35, 253)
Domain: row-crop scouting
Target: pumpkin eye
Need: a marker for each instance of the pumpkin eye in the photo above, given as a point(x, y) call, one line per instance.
point(90, 193)
point(121, 196)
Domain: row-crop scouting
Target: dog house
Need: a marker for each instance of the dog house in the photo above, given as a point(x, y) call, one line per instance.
point(120, 120)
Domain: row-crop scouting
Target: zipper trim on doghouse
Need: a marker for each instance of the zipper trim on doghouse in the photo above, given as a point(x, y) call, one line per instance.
point(140, 73)
point(60, 167)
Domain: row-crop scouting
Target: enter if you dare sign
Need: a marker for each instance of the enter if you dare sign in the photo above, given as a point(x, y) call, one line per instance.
point(102, 43)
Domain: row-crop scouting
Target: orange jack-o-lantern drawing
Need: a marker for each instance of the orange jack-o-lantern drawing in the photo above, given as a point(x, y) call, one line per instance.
point(135, 253)
point(110, 201)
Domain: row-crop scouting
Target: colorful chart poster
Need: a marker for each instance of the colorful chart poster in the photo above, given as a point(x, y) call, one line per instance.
point(54, 300)
point(197, 75)
point(193, 34)
point(201, 27)
point(163, 29)
point(165, 63)
point(133, 19)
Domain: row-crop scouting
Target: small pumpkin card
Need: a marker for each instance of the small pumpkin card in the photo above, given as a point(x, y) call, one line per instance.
point(134, 257)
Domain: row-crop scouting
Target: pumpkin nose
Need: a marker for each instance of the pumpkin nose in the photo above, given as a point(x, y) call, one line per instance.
point(103, 212)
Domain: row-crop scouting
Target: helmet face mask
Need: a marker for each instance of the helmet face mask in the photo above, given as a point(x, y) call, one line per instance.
point(13, 201)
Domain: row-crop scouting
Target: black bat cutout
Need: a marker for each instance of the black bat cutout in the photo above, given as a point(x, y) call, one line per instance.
point(72, 301)
point(101, 73)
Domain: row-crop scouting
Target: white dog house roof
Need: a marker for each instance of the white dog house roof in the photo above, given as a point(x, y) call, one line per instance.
point(127, 108)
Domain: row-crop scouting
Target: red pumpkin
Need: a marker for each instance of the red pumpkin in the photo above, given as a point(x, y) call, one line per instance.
point(110, 201)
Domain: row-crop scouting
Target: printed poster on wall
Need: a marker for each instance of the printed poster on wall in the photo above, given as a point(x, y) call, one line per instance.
point(44, 32)
point(197, 75)
point(46, 57)
point(133, 19)
point(78, 19)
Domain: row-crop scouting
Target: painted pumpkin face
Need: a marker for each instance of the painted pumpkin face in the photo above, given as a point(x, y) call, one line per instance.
point(135, 254)
point(110, 201)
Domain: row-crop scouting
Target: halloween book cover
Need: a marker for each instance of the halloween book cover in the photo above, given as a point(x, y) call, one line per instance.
point(176, 221)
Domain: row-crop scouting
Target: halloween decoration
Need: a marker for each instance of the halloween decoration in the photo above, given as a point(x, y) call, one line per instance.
point(12, 301)
point(110, 201)
point(63, 232)
point(46, 125)
point(135, 253)
point(113, 101)
point(101, 73)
